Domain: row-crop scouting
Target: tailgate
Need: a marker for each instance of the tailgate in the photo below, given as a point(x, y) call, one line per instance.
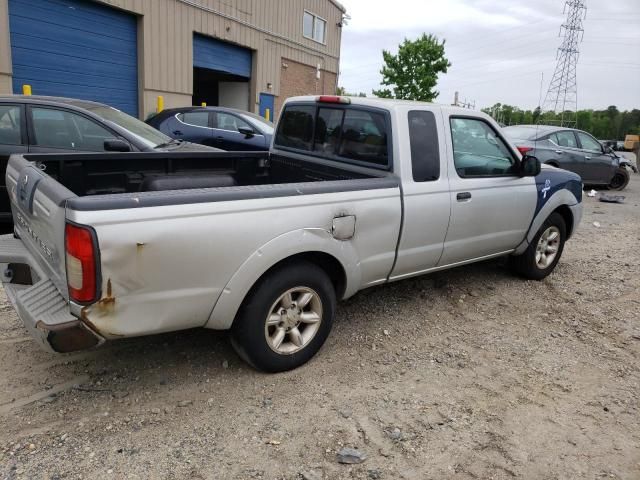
point(38, 209)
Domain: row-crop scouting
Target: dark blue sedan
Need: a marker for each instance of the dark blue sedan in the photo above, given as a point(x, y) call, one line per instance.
point(225, 128)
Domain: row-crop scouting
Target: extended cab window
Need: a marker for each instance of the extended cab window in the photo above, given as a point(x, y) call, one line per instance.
point(425, 151)
point(295, 129)
point(63, 129)
point(478, 151)
point(10, 132)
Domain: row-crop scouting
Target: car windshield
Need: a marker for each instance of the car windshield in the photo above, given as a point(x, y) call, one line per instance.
point(522, 133)
point(264, 125)
point(146, 133)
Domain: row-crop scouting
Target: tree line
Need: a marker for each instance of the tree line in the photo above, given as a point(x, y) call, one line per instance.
point(609, 124)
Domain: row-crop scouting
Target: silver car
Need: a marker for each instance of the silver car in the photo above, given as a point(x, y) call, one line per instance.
point(572, 150)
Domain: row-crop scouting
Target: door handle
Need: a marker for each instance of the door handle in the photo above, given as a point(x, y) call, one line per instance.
point(220, 137)
point(559, 152)
point(177, 132)
point(462, 196)
point(587, 157)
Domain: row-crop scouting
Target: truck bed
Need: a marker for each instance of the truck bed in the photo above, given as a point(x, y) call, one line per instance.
point(108, 174)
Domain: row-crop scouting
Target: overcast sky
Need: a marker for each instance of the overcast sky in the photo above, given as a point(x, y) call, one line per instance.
point(500, 48)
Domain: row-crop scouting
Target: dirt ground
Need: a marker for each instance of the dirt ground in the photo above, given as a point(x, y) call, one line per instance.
point(467, 374)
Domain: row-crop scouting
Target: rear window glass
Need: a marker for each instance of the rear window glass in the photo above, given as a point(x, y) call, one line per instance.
point(335, 131)
point(520, 133)
point(564, 138)
point(328, 130)
point(10, 133)
point(198, 119)
point(425, 152)
point(364, 137)
point(296, 127)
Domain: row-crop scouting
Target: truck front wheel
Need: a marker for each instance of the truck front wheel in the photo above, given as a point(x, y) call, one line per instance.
point(544, 252)
point(286, 318)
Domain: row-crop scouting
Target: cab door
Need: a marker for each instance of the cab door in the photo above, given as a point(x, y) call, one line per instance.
point(491, 205)
point(13, 139)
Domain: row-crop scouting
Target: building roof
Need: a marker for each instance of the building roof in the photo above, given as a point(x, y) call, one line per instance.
point(339, 5)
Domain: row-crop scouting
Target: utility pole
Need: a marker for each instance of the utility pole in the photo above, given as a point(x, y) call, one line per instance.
point(562, 96)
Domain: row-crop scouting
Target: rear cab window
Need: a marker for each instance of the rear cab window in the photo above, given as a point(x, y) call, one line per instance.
point(346, 133)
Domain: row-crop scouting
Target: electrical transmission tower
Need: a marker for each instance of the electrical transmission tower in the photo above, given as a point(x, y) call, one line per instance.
point(562, 96)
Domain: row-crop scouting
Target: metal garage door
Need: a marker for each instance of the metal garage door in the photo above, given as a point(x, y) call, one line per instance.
point(75, 48)
point(221, 56)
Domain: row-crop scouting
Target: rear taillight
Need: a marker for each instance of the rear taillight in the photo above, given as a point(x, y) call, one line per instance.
point(333, 99)
point(81, 252)
point(524, 150)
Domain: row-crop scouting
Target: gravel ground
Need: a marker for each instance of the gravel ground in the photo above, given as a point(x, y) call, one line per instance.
point(467, 374)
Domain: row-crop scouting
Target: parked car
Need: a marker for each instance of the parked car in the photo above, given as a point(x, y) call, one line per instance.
point(354, 193)
point(37, 124)
point(224, 128)
point(572, 150)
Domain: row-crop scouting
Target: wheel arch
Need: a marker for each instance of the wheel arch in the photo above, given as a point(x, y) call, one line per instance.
point(567, 215)
point(552, 163)
point(564, 202)
point(337, 258)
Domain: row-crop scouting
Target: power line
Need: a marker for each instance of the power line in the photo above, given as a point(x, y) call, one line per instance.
point(562, 95)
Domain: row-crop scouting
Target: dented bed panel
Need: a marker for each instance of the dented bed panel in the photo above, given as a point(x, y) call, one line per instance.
point(164, 268)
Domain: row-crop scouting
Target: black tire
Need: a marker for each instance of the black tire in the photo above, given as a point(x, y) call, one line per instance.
point(248, 335)
point(620, 180)
point(525, 265)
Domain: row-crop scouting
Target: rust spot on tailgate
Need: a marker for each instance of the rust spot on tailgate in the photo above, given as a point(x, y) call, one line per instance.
point(99, 310)
point(108, 299)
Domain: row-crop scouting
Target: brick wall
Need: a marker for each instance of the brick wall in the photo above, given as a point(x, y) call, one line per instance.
point(300, 79)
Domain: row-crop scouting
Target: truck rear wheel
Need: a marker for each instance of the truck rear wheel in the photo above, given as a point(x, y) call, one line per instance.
point(286, 318)
point(544, 252)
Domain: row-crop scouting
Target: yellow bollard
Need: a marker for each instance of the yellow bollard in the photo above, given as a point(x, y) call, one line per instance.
point(267, 114)
point(204, 104)
point(26, 89)
point(160, 105)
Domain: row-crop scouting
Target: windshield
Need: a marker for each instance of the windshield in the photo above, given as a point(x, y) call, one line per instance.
point(145, 133)
point(523, 133)
point(264, 125)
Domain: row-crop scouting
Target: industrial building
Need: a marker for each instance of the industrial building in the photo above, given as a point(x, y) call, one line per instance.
point(248, 54)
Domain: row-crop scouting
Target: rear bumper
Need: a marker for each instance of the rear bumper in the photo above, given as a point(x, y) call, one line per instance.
point(43, 310)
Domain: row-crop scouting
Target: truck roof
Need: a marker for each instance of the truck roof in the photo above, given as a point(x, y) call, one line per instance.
point(389, 103)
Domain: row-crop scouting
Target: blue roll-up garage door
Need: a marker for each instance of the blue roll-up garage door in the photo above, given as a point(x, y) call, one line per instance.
point(75, 48)
point(221, 56)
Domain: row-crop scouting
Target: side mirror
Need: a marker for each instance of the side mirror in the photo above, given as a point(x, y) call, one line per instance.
point(116, 145)
point(247, 132)
point(530, 166)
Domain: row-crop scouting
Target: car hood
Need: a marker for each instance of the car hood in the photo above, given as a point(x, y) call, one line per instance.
point(187, 147)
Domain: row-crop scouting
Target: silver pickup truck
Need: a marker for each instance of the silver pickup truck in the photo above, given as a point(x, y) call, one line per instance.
point(354, 193)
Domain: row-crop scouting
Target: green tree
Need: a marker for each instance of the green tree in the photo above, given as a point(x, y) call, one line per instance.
point(341, 91)
point(412, 74)
point(536, 115)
